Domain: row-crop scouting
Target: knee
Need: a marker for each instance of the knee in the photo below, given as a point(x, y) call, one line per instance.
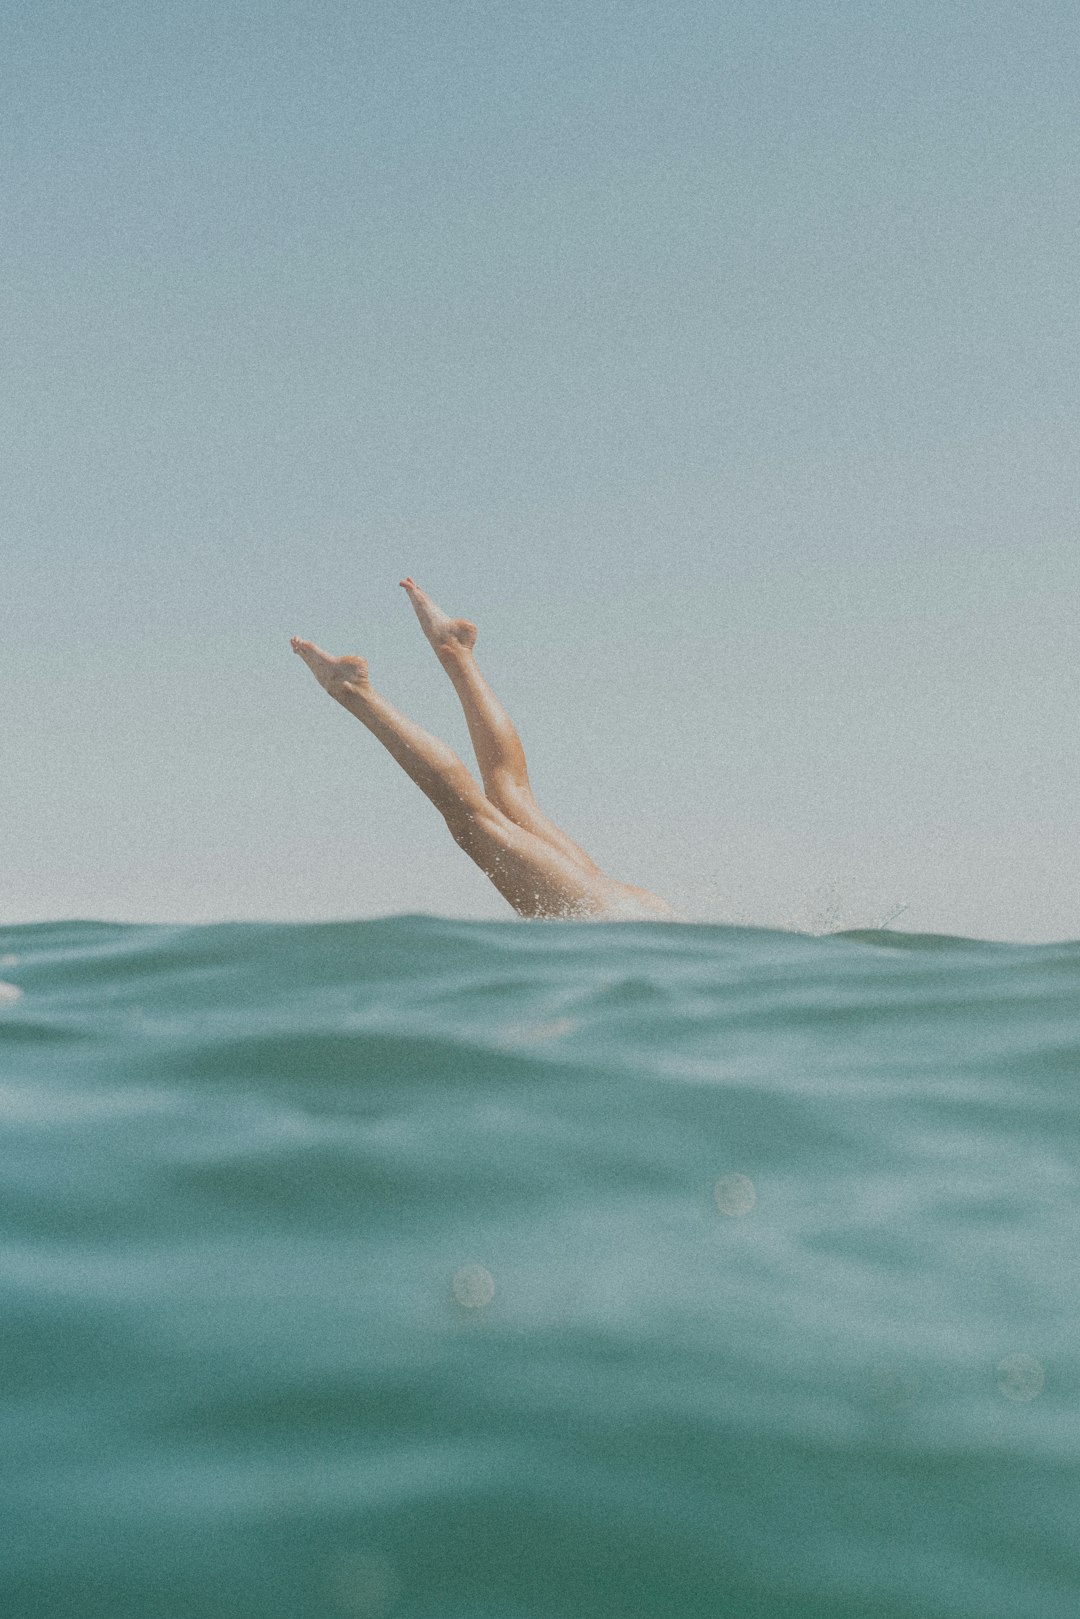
point(458, 798)
point(473, 825)
point(510, 795)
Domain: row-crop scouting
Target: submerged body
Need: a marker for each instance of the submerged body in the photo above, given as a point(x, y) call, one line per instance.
point(537, 868)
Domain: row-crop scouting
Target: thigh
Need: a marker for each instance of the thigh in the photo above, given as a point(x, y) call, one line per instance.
point(519, 806)
point(532, 875)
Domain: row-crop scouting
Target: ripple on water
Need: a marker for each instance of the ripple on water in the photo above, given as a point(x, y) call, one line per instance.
point(482, 1271)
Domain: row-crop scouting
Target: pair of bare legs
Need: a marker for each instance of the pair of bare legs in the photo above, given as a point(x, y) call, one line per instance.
point(534, 865)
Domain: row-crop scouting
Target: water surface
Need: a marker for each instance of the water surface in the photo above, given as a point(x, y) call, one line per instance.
point(441, 1270)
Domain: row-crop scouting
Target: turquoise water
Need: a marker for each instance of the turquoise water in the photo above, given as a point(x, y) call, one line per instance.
point(440, 1270)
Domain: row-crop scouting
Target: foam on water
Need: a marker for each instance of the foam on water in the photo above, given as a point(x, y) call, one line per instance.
point(475, 1271)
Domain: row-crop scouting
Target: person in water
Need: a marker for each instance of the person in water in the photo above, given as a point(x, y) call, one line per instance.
point(532, 862)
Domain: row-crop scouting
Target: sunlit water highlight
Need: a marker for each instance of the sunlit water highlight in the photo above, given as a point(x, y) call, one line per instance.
point(505, 1271)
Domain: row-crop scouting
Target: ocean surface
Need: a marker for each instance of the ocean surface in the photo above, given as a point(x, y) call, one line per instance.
point(416, 1269)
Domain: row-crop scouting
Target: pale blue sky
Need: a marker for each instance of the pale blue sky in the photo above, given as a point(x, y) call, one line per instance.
point(719, 359)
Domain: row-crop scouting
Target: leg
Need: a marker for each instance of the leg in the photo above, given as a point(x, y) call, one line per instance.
point(498, 748)
point(536, 879)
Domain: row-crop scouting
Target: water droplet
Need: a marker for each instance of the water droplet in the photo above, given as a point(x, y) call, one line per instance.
point(10, 992)
point(735, 1194)
point(1020, 1377)
point(474, 1287)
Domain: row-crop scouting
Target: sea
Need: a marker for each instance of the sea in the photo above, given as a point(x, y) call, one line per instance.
point(424, 1269)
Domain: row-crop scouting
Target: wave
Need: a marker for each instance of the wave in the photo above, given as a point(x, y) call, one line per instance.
point(427, 1268)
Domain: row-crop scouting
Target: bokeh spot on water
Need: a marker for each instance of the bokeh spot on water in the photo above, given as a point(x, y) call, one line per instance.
point(10, 992)
point(473, 1286)
point(533, 1033)
point(1020, 1377)
point(366, 1587)
point(9, 961)
point(735, 1194)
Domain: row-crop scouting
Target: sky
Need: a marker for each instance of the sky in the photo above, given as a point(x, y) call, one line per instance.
point(717, 359)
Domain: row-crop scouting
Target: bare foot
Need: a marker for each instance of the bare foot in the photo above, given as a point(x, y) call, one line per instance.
point(341, 677)
point(440, 629)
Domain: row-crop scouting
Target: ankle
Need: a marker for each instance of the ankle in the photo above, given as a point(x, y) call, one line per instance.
point(352, 694)
point(452, 653)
